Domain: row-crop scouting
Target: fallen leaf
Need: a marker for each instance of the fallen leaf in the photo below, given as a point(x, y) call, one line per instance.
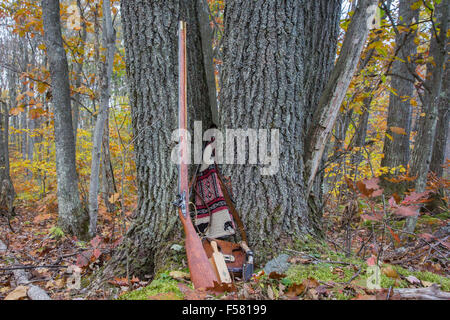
point(427, 283)
point(295, 290)
point(180, 275)
point(297, 260)
point(4, 289)
point(390, 272)
point(120, 282)
point(412, 280)
point(190, 294)
point(365, 297)
point(312, 294)
point(18, 293)
point(270, 293)
point(276, 275)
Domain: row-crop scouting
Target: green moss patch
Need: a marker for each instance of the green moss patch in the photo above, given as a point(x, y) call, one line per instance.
point(163, 284)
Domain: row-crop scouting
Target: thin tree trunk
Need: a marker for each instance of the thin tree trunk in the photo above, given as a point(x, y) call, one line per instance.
point(396, 148)
point(207, 50)
point(325, 115)
point(109, 44)
point(441, 138)
point(108, 182)
point(72, 217)
point(7, 193)
point(423, 148)
point(78, 75)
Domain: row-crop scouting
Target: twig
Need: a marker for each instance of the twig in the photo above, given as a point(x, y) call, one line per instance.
point(31, 267)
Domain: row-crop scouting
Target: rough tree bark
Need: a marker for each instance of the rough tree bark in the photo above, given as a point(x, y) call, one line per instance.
point(72, 217)
point(441, 138)
point(150, 32)
point(7, 193)
point(107, 68)
point(423, 147)
point(397, 148)
point(277, 59)
point(108, 186)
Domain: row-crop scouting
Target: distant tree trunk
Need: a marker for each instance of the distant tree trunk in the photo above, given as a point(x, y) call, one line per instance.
point(78, 74)
point(360, 135)
point(206, 33)
point(23, 127)
point(396, 148)
point(108, 182)
point(423, 147)
point(7, 193)
point(153, 90)
point(109, 38)
point(441, 138)
point(72, 217)
point(32, 123)
point(23, 115)
point(278, 56)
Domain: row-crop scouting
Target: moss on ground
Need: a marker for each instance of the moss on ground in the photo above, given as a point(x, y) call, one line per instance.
point(353, 269)
point(163, 283)
point(323, 268)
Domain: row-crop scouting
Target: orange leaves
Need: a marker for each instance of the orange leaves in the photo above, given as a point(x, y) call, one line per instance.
point(36, 112)
point(370, 187)
point(398, 130)
point(16, 111)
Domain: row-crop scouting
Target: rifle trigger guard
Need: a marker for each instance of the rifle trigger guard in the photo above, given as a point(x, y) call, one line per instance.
point(180, 202)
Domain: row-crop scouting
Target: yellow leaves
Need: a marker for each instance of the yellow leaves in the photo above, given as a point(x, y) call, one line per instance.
point(4, 95)
point(398, 130)
point(416, 5)
point(389, 137)
point(42, 87)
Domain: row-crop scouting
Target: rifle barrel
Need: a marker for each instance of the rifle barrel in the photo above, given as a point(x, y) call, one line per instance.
point(202, 273)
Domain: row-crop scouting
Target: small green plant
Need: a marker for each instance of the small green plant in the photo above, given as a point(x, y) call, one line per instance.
point(56, 233)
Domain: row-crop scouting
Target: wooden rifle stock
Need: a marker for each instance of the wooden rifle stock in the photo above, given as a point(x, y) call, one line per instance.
point(202, 273)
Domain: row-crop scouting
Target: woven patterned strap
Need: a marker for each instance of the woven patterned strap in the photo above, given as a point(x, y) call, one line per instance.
point(231, 206)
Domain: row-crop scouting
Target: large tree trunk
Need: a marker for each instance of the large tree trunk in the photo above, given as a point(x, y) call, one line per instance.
point(107, 68)
point(277, 59)
point(396, 148)
point(150, 32)
point(72, 217)
point(423, 147)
